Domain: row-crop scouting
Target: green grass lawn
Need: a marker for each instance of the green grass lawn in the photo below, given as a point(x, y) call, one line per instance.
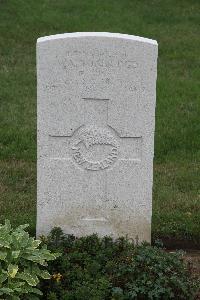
point(176, 26)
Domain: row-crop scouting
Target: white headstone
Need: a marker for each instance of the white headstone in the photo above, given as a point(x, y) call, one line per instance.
point(96, 113)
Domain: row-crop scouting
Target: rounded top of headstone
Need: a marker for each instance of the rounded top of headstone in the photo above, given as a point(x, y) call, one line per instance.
point(96, 35)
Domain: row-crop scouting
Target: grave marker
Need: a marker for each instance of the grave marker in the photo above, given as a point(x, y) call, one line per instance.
point(96, 111)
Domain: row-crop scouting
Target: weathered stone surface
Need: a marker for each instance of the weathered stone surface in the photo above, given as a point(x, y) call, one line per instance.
point(96, 111)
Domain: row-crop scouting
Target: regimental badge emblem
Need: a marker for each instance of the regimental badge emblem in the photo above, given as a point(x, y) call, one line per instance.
point(94, 148)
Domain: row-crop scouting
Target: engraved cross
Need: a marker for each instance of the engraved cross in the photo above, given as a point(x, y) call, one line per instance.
point(96, 131)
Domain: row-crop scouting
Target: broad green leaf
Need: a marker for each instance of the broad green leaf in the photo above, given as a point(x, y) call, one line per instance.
point(20, 239)
point(6, 291)
point(5, 240)
point(33, 244)
point(15, 254)
point(31, 279)
point(35, 269)
point(3, 277)
point(12, 270)
point(34, 290)
point(44, 274)
point(36, 243)
point(16, 285)
point(22, 227)
point(3, 255)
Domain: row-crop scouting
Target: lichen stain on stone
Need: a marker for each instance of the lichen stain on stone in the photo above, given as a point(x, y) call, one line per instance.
point(136, 230)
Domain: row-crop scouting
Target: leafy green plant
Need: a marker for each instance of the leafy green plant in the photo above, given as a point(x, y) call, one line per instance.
point(22, 263)
point(93, 268)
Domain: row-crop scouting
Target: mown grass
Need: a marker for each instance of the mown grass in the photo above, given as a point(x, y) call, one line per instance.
point(175, 25)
